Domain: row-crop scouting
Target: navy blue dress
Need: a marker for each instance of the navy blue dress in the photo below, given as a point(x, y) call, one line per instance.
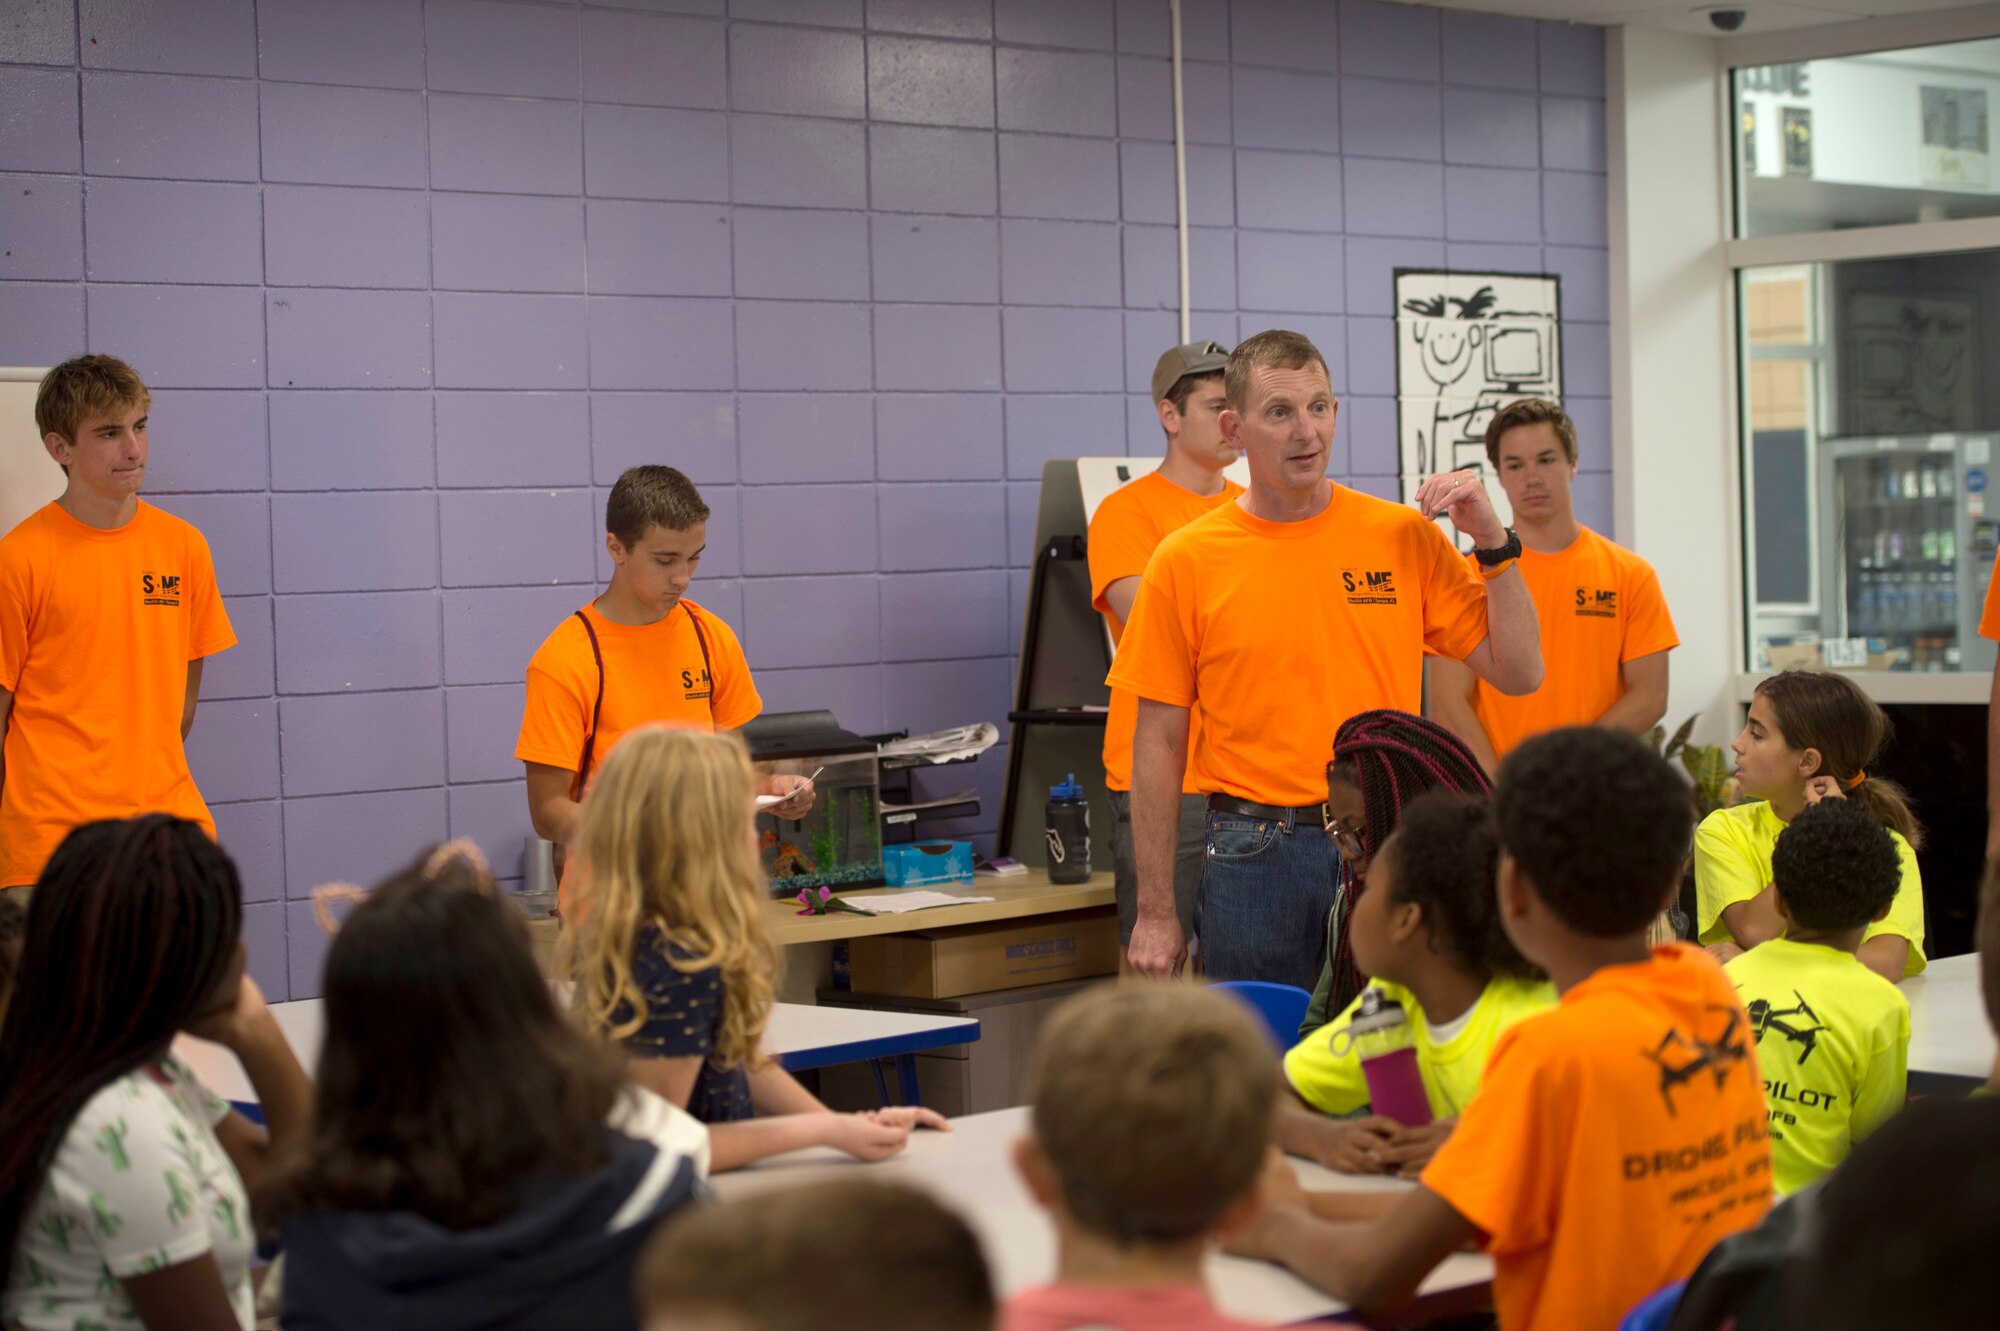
point(683, 1010)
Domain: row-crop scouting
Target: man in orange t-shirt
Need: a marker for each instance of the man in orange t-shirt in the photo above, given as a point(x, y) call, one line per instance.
point(1128, 525)
point(1617, 1137)
point(108, 607)
point(639, 653)
point(1283, 614)
point(1605, 627)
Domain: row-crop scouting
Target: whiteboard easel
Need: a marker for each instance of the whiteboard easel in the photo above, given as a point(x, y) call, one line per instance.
point(29, 477)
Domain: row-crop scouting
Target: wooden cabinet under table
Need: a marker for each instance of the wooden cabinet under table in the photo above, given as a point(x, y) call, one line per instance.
point(808, 940)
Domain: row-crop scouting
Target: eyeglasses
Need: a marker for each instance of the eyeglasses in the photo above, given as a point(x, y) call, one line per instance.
point(1345, 839)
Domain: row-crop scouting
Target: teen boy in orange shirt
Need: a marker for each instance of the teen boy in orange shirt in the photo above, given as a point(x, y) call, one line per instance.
point(1283, 614)
point(639, 653)
point(1127, 527)
point(1605, 627)
point(1616, 1137)
point(108, 607)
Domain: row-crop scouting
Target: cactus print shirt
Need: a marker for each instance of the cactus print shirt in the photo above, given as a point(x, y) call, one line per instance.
point(139, 1183)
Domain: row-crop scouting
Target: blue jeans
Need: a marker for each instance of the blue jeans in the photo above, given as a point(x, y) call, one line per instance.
point(1266, 888)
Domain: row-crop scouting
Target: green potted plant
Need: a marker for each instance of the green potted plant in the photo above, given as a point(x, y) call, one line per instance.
point(1711, 787)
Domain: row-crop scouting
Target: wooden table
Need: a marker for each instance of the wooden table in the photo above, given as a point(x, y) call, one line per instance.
point(799, 1036)
point(1949, 1033)
point(971, 1170)
point(1013, 898)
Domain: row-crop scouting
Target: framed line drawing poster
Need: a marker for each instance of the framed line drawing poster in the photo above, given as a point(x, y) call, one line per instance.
point(1467, 344)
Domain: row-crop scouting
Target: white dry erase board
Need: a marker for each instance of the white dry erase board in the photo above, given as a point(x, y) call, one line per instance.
point(28, 477)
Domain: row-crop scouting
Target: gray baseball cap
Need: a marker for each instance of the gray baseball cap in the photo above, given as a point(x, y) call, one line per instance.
point(1184, 360)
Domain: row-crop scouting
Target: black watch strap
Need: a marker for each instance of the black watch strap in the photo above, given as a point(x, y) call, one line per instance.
point(1500, 554)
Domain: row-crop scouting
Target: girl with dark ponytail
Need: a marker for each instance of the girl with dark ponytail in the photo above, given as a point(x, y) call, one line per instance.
point(1810, 735)
point(122, 1178)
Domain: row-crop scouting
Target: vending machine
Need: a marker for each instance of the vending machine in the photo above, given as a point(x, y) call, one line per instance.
point(1911, 548)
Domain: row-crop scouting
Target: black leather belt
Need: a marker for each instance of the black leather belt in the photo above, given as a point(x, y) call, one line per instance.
point(1313, 815)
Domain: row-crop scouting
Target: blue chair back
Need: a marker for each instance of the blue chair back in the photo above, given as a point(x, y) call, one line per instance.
point(1281, 1007)
point(1655, 1311)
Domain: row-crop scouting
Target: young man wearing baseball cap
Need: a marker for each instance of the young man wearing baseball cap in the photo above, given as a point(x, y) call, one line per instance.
point(1132, 520)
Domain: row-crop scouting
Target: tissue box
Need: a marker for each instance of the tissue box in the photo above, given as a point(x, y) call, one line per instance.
point(924, 862)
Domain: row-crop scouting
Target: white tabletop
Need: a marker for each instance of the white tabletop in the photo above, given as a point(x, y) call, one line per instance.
point(794, 1027)
point(1949, 1032)
point(971, 1169)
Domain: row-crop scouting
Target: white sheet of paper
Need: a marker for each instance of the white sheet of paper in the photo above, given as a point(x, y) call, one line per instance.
point(907, 901)
point(766, 801)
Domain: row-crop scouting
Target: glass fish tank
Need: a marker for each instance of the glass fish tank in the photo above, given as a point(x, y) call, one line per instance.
point(839, 843)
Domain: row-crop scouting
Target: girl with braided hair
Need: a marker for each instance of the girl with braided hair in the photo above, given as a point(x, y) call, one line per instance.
point(1382, 760)
point(1427, 932)
point(123, 1199)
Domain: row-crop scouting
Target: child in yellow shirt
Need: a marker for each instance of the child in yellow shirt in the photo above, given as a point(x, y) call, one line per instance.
point(1427, 929)
point(1833, 1037)
point(1810, 736)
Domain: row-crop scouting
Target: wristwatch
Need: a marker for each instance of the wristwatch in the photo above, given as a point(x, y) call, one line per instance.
point(1500, 554)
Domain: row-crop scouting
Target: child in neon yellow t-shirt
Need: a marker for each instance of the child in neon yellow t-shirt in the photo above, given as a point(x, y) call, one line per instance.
point(1810, 736)
point(1833, 1037)
point(1426, 929)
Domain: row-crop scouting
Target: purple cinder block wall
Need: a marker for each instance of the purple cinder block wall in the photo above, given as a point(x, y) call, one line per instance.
point(414, 281)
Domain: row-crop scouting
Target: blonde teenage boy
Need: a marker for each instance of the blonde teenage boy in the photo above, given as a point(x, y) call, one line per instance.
point(1151, 1118)
point(108, 608)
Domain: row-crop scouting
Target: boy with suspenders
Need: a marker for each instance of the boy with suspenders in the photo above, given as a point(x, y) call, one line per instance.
point(639, 653)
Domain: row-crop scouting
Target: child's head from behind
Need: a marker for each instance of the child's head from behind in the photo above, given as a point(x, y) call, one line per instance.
point(136, 932)
point(146, 917)
point(1382, 761)
point(1835, 868)
point(1429, 898)
point(668, 820)
point(447, 1074)
point(1905, 1227)
point(666, 839)
point(845, 1253)
point(1596, 826)
point(1152, 1106)
point(1803, 724)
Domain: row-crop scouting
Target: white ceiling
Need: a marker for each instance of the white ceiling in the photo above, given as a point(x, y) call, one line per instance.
point(1684, 15)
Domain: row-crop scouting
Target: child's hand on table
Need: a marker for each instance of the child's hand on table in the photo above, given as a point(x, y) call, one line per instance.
point(1359, 1148)
point(909, 1117)
point(866, 1137)
point(1410, 1149)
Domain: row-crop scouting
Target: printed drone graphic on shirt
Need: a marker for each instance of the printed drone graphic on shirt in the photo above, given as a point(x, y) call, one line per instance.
point(1764, 1018)
point(1715, 1056)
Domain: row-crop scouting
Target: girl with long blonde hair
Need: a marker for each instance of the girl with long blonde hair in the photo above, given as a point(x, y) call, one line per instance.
point(671, 955)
